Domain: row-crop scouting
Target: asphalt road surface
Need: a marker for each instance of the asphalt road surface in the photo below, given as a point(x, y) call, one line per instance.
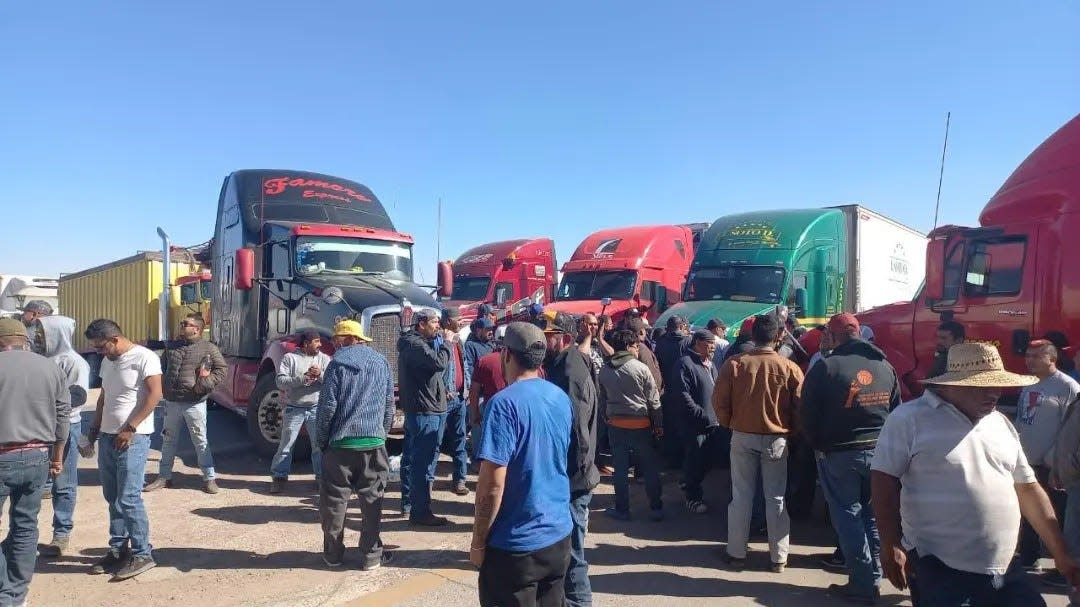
point(246, 547)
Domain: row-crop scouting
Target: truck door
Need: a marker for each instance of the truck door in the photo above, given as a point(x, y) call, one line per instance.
point(989, 283)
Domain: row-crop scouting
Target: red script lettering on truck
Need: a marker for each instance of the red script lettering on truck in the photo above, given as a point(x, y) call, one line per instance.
point(277, 185)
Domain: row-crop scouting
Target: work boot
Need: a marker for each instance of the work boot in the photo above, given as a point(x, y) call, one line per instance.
point(733, 563)
point(459, 488)
point(158, 483)
point(430, 520)
point(109, 563)
point(386, 557)
point(277, 485)
point(55, 548)
point(778, 567)
point(133, 567)
point(211, 487)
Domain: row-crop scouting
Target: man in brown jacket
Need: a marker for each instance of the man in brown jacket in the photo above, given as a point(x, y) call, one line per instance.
point(756, 396)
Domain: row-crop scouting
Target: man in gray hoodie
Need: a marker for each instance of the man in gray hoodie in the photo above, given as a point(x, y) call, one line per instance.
point(34, 410)
point(300, 377)
point(53, 339)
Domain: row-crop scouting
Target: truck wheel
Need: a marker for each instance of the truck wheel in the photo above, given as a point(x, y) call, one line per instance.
point(265, 408)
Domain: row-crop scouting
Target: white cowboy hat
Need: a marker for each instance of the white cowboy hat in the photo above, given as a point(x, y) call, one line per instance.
point(979, 366)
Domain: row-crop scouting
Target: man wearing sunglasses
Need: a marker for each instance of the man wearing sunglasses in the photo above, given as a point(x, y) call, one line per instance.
point(123, 423)
point(193, 367)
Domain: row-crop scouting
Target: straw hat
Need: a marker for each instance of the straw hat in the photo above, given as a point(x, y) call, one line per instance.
point(979, 366)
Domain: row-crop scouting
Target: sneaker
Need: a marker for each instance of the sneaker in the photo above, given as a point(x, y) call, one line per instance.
point(109, 563)
point(133, 567)
point(386, 557)
point(406, 510)
point(606, 470)
point(833, 563)
point(1055, 579)
point(332, 560)
point(158, 483)
point(276, 485)
point(429, 521)
point(733, 563)
point(55, 548)
point(211, 487)
point(656, 515)
point(46, 494)
point(697, 506)
point(459, 488)
point(619, 515)
point(778, 567)
point(846, 592)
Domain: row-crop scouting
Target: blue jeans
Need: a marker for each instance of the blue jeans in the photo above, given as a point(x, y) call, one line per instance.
point(292, 421)
point(935, 584)
point(845, 480)
point(640, 443)
point(65, 486)
point(420, 453)
point(577, 587)
point(457, 424)
point(194, 415)
point(22, 480)
point(121, 483)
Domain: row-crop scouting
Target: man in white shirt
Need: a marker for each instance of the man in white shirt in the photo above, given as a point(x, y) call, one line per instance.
point(944, 474)
point(1040, 411)
point(123, 423)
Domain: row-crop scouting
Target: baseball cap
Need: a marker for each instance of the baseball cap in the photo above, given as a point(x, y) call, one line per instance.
point(560, 322)
point(527, 339)
point(308, 335)
point(536, 309)
point(38, 305)
point(451, 313)
point(350, 328)
point(843, 321)
point(674, 322)
point(482, 323)
point(866, 333)
point(10, 327)
point(747, 326)
point(485, 309)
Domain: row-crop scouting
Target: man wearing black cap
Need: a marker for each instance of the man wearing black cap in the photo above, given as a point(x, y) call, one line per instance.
point(670, 347)
point(690, 388)
point(456, 412)
point(300, 378)
point(422, 393)
point(522, 528)
point(487, 311)
point(570, 369)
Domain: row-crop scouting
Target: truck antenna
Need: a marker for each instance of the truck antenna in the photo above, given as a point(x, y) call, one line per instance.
point(438, 231)
point(941, 173)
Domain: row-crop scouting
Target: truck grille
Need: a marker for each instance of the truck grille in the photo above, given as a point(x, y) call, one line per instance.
point(384, 332)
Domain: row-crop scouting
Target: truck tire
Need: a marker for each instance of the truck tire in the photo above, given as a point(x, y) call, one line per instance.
point(265, 409)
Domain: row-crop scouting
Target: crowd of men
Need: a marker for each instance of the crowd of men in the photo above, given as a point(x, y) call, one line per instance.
point(943, 494)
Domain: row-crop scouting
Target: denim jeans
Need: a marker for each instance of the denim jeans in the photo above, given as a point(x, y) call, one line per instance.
point(578, 587)
point(640, 443)
point(845, 480)
point(121, 483)
point(194, 415)
point(457, 424)
point(749, 454)
point(935, 584)
point(65, 486)
point(292, 420)
point(420, 454)
point(22, 481)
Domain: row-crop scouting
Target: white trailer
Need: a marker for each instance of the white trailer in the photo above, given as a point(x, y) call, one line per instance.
point(18, 289)
point(886, 258)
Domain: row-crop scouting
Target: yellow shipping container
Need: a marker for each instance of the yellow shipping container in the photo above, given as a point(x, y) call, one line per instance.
point(126, 291)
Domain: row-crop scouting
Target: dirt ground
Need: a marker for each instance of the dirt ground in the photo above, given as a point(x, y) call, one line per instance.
point(246, 547)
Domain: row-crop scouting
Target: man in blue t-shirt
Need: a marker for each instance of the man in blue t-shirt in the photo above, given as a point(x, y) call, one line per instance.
point(521, 533)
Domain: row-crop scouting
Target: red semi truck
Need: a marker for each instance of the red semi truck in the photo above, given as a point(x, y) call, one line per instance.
point(642, 267)
point(501, 274)
point(1012, 279)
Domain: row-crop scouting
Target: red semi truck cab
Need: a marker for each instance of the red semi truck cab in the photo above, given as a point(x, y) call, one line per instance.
point(641, 267)
point(501, 273)
point(1010, 280)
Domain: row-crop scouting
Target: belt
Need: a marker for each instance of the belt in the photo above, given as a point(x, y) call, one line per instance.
point(14, 447)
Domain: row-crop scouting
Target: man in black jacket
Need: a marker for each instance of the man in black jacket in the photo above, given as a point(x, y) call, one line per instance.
point(193, 367)
point(670, 347)
point(845, 400)
point(422, 392)
point(571, 370)
point(690, 388)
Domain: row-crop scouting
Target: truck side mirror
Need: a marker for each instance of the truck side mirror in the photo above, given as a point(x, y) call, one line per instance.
point(244, 270)
point(445, 280)
point(800, 300)
point(935, 269)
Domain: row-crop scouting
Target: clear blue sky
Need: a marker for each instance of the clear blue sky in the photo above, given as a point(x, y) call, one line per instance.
point(554, 118)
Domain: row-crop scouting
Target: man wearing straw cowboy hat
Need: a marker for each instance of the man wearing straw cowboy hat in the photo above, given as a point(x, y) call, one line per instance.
point(950, 482)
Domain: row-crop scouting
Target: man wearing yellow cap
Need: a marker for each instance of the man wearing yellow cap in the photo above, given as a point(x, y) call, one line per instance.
point(354, 415)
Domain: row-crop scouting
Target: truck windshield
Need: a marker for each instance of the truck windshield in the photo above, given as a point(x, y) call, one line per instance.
point(761, 284)
point(391, 260)
point(597, 285)
point(470, 288)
